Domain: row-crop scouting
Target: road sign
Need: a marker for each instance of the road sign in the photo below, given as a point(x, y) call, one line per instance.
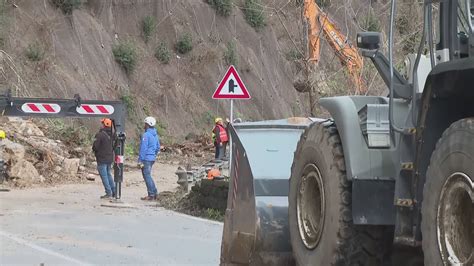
point(40, 108)
point(231, 87)
point(95, 109)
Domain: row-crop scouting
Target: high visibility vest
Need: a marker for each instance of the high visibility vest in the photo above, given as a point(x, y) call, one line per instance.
point(223, 134)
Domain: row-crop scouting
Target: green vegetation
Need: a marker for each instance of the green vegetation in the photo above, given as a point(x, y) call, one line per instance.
point(222, 7)
point(254, 15)
point(371, 22)
point(70, 134)
point(131, 149)
point(160, 128)
point(214, 214)
point(148, 25)
point(67, 6)
point(230, 55)
point(162, 53)
point(293, 55)
point(34, 52)
point(3, 23)
point(185, 44)
point(323, 3)
point(129, 102)
point(125, 54)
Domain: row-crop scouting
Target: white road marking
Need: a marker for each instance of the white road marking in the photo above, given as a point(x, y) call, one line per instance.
point(36, 247)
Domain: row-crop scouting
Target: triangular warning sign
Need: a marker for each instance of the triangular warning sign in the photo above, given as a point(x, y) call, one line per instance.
point(231, 87)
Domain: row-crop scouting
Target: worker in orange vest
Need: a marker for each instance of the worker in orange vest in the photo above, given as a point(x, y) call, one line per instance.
point(220, 137)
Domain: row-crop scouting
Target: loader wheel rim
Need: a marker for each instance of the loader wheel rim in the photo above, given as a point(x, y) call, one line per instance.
point(310, 206)
point(455, 220)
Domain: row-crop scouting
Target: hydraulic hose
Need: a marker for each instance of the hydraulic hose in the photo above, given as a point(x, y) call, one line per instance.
point(393, 127)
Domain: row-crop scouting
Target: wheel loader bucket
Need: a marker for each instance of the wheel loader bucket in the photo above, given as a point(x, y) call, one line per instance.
point(256, 219)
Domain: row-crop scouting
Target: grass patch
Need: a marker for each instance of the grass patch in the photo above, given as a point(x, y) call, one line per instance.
point(148, 27)
point(254, 15)
point(185, 44)
point(222, 7)
point(34, 52)
point(162, 53)
point(67, 6)
point(230, 55)
point(214, 214)
point(126, 55)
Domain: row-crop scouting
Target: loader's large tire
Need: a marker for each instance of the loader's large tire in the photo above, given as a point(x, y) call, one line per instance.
point(448, 198)
point(320, 216)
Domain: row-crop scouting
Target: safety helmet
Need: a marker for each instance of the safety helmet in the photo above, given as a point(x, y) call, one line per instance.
point(106, 122)
point(151, 121)
point(2, 134)
point(217, 120)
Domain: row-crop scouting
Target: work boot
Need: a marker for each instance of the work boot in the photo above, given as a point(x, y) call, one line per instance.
point(106, 196)
point(148, 198)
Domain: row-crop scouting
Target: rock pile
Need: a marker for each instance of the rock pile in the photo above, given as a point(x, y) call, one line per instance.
point(31, 157)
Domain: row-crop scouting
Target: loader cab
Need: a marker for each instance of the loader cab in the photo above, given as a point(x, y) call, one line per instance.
point(455, 29)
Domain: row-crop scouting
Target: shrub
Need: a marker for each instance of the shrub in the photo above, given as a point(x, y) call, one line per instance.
point(129, 102)
point(253, 11)
point(185, 44)
point(162, 53)
point(67, 6)
point(222, 7)
point(34, 52)
point(70, 134)
point(323, 3)
point(371, 22)
point(230, 54)
point(148, 25)
point(125, 54)
point(294, 55)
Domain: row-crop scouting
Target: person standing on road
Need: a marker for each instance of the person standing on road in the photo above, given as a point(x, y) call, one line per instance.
point(104, 154)
point(220, 138)
point(149, 149)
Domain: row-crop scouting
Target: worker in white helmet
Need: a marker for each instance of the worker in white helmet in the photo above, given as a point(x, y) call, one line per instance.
point(149, 149)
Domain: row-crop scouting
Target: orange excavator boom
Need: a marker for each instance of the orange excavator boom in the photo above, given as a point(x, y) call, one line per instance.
point(319, 25)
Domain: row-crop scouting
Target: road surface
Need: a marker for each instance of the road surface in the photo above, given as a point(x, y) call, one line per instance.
point(67, 225)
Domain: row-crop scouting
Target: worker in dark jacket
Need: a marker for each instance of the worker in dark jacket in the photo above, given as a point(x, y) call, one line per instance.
point(104, 155)
point(220, 137)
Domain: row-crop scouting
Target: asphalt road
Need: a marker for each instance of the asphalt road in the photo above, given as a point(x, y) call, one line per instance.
point(67, 225)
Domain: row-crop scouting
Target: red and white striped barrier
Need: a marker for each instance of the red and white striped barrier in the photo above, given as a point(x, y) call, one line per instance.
point(95, 109)
point(41, 108)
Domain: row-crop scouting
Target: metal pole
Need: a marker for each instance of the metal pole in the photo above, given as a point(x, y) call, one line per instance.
point(230, 137)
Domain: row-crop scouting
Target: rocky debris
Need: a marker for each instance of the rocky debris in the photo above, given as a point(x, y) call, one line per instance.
point(91, 177)
point(24, 127)
point(31, 157)
point(22, 169)
point(11, 151)
point(71, 166)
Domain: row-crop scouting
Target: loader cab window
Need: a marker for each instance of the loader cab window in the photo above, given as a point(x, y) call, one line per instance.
point(464, 21)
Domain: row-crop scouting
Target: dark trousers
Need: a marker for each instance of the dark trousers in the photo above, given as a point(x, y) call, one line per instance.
point(219, 151)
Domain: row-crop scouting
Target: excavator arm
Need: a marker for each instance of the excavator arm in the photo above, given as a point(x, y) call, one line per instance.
point(78, 108)
point(320, 24)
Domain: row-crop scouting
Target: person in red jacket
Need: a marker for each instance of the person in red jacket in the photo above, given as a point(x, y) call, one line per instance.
point(220, 138)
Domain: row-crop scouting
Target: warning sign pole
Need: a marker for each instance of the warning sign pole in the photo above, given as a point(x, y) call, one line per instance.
point(231, 87)
point(230, 135)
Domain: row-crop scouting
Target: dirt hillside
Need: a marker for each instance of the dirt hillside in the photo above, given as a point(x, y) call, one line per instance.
point(72, 53)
